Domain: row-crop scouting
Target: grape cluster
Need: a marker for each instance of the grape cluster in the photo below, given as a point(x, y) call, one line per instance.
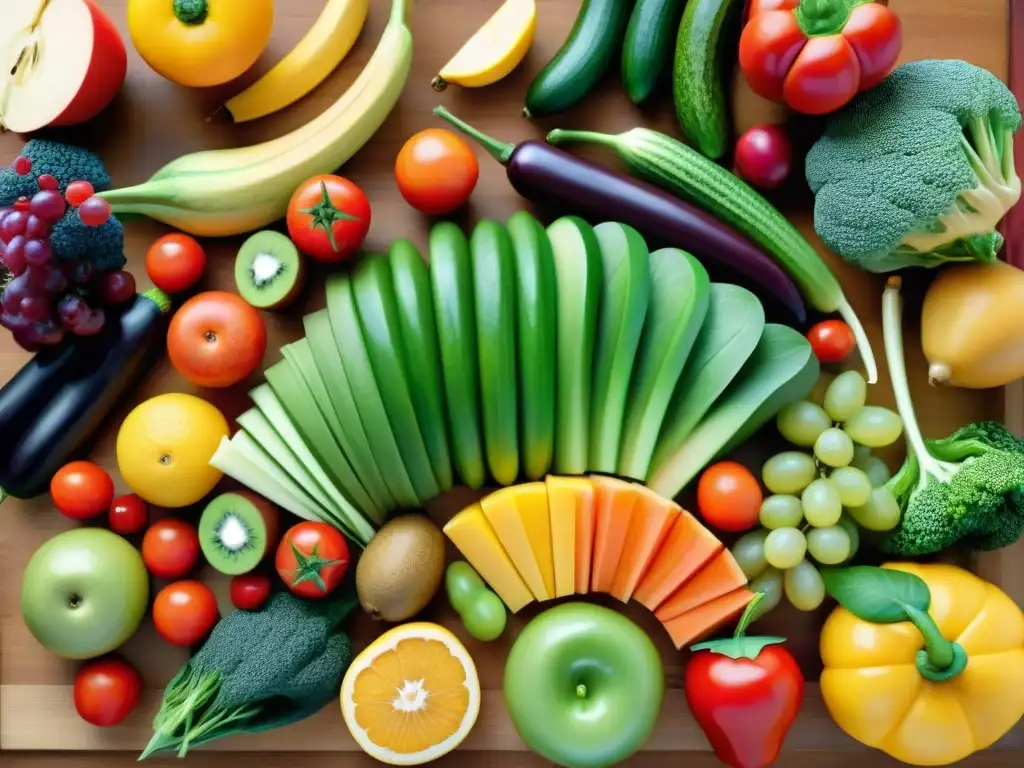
point(44, 299)
point(821, 498)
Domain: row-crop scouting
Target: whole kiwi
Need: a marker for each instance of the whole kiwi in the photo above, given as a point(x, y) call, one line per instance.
point(401, 568)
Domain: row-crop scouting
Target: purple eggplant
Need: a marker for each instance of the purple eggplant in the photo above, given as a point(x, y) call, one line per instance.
point(547, 175)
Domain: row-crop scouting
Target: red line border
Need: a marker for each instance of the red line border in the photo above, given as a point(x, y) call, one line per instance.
point(1013, 226)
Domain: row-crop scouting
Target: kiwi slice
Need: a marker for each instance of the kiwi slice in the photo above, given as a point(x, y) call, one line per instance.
point(237, 531)
point(269, 271)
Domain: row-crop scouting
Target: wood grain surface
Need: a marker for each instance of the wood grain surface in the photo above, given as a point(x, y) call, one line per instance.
point(154, 121)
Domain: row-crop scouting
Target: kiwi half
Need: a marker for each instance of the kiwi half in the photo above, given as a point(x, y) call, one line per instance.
point(269, 271)
point(237, 531)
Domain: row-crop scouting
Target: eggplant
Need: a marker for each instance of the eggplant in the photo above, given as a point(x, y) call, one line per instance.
point(52, 408)
point(550, 176)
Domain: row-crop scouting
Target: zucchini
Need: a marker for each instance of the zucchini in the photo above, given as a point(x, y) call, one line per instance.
point(698, 81)
point(582, 60)
point(647, 52)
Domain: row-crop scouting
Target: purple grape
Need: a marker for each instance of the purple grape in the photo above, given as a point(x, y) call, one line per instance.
point(27, 339)
point(37, 228)
point(9, 321)
point(56, 283)
point(40, 278)
point(90, 323)
point(116, 287)
point(14, 224)
point(49, 332)
point(48, 205)
point(37, 306)
point(70, 309)
point(13, 293)
point(81, 274)
point(38, 253)
point(3, 215)
point(14, 255)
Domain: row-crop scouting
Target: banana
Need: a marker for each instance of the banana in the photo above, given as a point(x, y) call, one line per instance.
point(494, 50)
point(307, 65)
point(218, 193)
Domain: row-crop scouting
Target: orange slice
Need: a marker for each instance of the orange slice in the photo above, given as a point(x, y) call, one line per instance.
point(412, 696)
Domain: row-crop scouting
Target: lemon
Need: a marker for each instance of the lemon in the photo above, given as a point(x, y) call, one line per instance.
point(164, 449)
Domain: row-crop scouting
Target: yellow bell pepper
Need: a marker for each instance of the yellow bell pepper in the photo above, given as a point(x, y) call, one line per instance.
point(200, 43)
point(936, 688)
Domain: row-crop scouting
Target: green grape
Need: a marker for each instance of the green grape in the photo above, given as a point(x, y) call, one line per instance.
point(804, 586)
point(749, 553)
point(781, 511)
point(801, 422)
point(849, 525)
point(876, 470)
point(874, 426)
point(853, 485)
point(821, 502)
point(770, 583)
point(785, 547)
point(860, 453)
point(834, 448)
point(881, 513)
point(829, 546)
point(789, 472)
point(845, 395)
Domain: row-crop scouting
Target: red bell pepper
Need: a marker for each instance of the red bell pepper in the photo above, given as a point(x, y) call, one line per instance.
point(745, 693)
point(816, 55)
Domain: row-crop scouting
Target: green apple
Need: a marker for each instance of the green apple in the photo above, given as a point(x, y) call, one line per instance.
point(84, 592)
point(584, 686)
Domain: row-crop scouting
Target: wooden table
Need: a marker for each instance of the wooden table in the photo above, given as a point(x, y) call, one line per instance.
point(154, 121)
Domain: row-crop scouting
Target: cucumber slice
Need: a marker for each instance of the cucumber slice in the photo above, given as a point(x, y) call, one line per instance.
point(349, 339)
point(451, 284)
point(357, 446)
point(680, 290)
point(420, 352)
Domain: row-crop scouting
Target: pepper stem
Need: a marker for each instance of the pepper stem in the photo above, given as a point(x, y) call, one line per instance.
point(499, 150)
point(191, 11)
point(940, 660)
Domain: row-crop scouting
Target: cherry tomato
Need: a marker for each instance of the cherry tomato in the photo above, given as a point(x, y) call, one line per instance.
point(729, 497)
point(175, 262)
point(250, 591)
point(170, 548)
point(22, 165)
point(47, 181)
point(82, 490)
point(831, 340)
point(184, 612)
point(764, 156)
point(78, 192)
point(436, 171)
point(328, 218)
point(128, 514)
point(106, 691)
point(312, 559)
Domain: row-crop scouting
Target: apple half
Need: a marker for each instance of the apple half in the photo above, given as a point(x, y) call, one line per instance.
point(61, 63)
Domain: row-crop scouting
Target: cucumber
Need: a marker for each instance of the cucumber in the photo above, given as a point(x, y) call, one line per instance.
point(626, 293)
point(422, 357)
point(451, 284)
point(494, 295)
point(341, 307)
point(680, 290)
point(536, 313)
point(377, 308)
point(583, 59)
point(578, 275)
point(647, 52)
point(698, 79)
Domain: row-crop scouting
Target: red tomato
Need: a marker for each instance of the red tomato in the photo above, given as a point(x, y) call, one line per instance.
point(328, 218)
point(184, 612)
point(250, 591)
point(82, 490)
point(128, 514)
point(729, 497)
point(312, 559)
point(764, 156)
point(216, 339)
point(175, 262)
point(831, 340)
point(106, 691)
point(436, 171)
point(824, 77)
point(170, 548)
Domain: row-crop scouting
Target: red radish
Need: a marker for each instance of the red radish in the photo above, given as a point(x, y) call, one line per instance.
point(764, 156)
point(74, 63)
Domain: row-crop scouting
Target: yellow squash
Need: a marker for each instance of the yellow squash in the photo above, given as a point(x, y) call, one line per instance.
point(972, 326)
point(200, 43)
point(935, 690)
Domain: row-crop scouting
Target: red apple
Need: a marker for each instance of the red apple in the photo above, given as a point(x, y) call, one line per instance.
point(68, 62)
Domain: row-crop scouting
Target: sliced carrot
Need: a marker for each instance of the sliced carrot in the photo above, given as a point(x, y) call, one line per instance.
point(586, 510)
point(615, 502)
point(685, 550)
point(652, 519)
point(718, 577)
point(702, 621)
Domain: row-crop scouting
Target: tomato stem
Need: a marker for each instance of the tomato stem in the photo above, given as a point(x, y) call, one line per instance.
point(325, 213)
point(819, 18)
point(748, 616)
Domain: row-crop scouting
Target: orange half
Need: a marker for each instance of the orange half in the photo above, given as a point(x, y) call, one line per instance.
point(412, 696)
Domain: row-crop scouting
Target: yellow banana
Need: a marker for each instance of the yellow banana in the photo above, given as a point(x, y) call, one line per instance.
point(218, 193)
point(494, 50)
point(307, 65)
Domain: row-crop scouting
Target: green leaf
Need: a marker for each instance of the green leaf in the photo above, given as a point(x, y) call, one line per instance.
point(878, 595)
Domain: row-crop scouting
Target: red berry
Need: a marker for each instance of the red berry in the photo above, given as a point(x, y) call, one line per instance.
point(94, 212)
point(47, 181)
point(78, 192)
point(21, 204)
point(22, 165)
point(128, 514)
point(250, 591)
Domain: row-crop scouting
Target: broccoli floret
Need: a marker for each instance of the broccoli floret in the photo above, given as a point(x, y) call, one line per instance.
point(101, 247)
point(66, 162)
point(965, 491)
point(919, 170)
